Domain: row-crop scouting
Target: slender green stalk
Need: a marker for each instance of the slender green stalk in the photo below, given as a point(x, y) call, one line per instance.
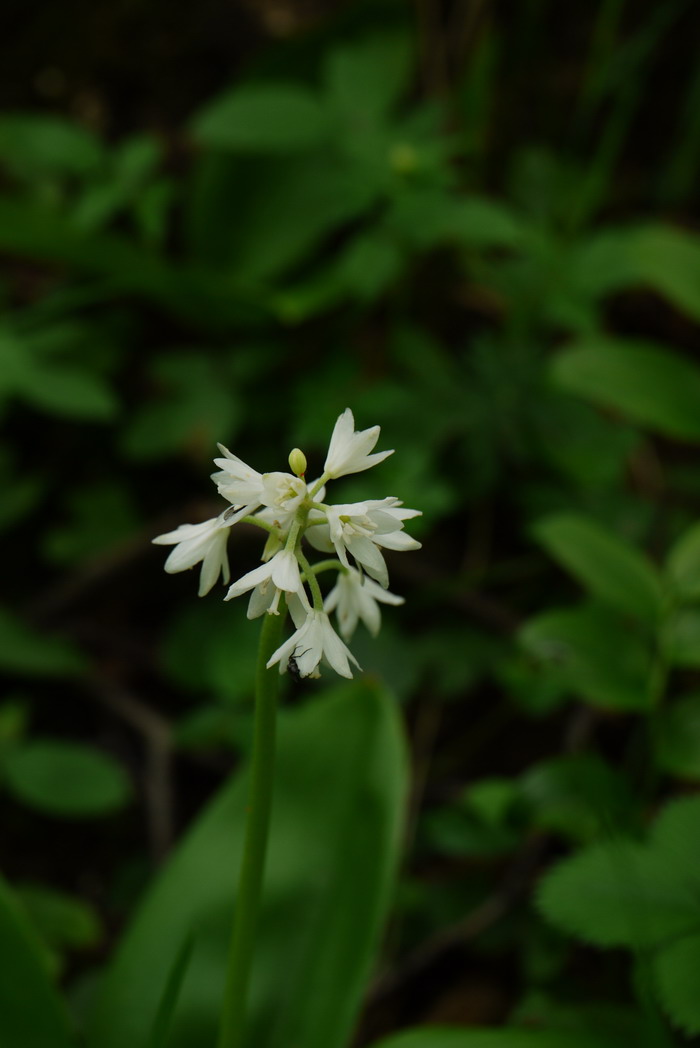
point(245, 917)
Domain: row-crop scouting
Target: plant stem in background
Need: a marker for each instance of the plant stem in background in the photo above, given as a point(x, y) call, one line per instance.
point(262, 763)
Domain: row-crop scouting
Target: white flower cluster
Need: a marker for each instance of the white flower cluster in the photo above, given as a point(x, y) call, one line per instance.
point(289, 509)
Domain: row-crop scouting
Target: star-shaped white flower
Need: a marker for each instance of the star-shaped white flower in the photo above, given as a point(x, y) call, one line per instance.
point(348, 451)
point(354, 597)
point(282, 571)
point(204, 542)
point(238, 482)
point(315, 639)
point(360, 528)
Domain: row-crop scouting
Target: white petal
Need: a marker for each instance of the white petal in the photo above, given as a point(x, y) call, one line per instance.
point(397, 540)
point(285, 571)
point(249, 581)
point(367, 554)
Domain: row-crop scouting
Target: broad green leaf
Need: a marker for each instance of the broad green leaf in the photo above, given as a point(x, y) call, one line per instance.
point(340, 787)
point(677, 738)
point(683, 564)
point(263, 118)
point(71, 392)
point(31, 1013)
point(100, 516)
point(34, 145)
point(676, 970)
point(577, 796)
point(25, 651)
point(674, 836)
point(427, 217)
point(593, 653)
point(618, 893)
point(505, 1037)
point(660, 257)
point(601, 561)
point(650, 384)
point(195, 408)
point(65, 779)
point(681, 638)
point(62, 920)
point(365, 79)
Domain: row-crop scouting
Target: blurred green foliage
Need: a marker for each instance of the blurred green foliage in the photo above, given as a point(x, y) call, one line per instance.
point(482, 238)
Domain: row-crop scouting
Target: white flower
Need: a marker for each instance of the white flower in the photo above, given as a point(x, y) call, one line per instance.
point(237, 482)
point(204, 542)
point(315, 639)
point(360, 528)
point(282, 571)
point(354, 597)
point(348, 451)
point(283, 492)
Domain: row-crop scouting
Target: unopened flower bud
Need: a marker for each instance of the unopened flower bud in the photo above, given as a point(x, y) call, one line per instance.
point(297, 462)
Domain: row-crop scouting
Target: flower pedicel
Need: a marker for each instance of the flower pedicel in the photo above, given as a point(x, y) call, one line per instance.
point(289, 510)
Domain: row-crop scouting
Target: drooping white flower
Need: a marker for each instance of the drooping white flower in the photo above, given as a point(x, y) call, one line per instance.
point(204, 542)
point(282, 571)
point(348, 451)
point(354, 597)
point(360, 528)
point(315, 639)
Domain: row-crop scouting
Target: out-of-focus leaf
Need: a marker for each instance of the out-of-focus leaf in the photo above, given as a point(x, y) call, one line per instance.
point(62, 920)
point(31, 1013)
point(681, 638)
point(683, 564)
point(675, 970)
point(130, 167)
point(427, 217)
point(65, 779)
point(211, 645)
point(369, 264)
point(650, 384)
point(505, 1037)
point(339, 791)
point(264, 118)
point(195, 408)
point(610, 568)
point(677, 738)
point(100, 516)
point(578, 796)
point(593, 653)
point(365, 79)
point(25, 651)
point(618, 893)
point(34, 146)
point(72, 392)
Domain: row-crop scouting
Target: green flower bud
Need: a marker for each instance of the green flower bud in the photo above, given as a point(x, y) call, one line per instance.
point(297, 462)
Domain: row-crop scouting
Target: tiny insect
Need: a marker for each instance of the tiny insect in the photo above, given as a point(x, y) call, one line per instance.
point(293, 666)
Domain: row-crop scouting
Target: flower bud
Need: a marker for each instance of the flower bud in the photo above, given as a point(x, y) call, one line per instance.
point(297, 462)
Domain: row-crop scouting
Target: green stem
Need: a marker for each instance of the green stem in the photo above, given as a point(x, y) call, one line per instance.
point(245, 918)
point(312, 581)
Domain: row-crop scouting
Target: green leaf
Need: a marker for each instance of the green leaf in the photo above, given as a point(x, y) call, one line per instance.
point(365, 79)
point(62, 920)
point(25, 651)
point(677, 738)
point(65, 779)
point(427, 217)
point(582, 650)
point(618, 893)
point(681, 638)
point(650, 384)
point(506, 1037)
point(100, 517)
point(31, 1013)
point(676, 970)
point(612, 570)
point(674, 837)
point(72, 392)
point(683, 564)
point(34, 146)
point(578, 796)
point(265, 118)
point(340, 788)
